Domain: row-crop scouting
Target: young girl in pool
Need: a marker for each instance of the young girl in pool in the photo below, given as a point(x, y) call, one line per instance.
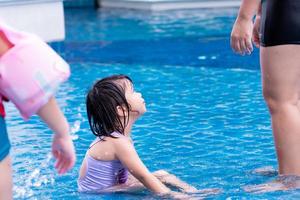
point(112, 163)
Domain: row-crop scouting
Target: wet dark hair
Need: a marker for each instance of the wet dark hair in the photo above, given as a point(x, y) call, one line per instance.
point(101, 105)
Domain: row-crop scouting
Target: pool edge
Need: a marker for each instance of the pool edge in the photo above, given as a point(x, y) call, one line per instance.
point(172, 5)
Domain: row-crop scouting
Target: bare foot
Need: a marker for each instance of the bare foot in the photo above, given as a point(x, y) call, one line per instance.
point(281, 184)
point(266, 187)
point(266, 171)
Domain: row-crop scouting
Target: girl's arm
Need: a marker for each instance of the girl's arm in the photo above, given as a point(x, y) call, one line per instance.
point(127, 154)
point(170, 179)
point(132, 184)
point(241, 34)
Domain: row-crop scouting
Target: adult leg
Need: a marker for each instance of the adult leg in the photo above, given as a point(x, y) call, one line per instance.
point(6, 179)
point(281, 89)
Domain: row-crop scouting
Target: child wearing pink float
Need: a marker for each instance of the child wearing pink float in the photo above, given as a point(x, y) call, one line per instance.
point(30, 72)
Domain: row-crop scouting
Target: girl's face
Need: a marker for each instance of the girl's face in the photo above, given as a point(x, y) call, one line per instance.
point(135, 100)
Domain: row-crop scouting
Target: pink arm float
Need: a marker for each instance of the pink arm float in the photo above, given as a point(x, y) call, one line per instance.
point(30, 71)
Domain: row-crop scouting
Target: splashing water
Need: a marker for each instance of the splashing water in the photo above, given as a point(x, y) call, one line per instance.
point(76, 127)
point(35, 179)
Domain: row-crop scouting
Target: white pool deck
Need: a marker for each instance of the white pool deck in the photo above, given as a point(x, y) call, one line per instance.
point(46, 17)
point(42, 17)
point(159, 5)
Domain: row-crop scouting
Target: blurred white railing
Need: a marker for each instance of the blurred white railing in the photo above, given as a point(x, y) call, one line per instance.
point(42, 17)
point(168, 4)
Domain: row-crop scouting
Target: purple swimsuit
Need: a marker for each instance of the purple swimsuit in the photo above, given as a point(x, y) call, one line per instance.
point(101, 175)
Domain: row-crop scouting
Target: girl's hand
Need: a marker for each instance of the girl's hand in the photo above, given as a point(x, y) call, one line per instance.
point(241, 36)
point(256, 28)
point(63, 151)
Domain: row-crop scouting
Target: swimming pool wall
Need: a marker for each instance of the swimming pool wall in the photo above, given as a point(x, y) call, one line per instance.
point(158, 5)
point(153, 4)
point(80, 3)
point(42, 17)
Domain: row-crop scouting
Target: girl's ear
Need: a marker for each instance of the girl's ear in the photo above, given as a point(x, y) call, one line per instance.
point(121, 111)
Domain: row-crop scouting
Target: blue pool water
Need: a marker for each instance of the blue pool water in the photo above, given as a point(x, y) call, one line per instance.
point(206, 122)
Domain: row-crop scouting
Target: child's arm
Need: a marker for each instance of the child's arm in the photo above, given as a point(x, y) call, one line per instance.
point(170, 179)
point(128, 156)
point(241, 34)
point(134, 185)
point(167, 179)
point(62, 145)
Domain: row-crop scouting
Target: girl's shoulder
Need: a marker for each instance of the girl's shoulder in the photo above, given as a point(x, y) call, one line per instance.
point(118, 135)
point(106, 148)
point(106, 139)
point(120, 139)
point(110, 144)
point(121, 143)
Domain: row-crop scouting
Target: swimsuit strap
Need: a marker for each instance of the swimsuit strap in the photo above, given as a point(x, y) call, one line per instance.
point(101, 138)
point(97, 140)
